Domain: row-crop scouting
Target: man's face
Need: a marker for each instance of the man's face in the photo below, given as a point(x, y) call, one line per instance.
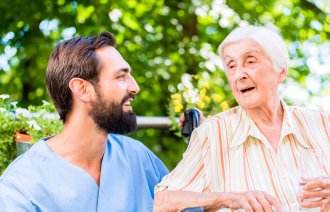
point(251, 74)
point(116, 88)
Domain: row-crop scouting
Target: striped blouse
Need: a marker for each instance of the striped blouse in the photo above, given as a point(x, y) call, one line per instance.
point(228, 153)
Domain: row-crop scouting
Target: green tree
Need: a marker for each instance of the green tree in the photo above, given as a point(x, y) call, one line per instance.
point(161, 40)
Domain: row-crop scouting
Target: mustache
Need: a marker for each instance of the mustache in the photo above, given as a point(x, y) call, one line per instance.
point(129, 96)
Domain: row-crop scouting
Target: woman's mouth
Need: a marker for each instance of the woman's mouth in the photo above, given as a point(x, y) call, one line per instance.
point(247, 90)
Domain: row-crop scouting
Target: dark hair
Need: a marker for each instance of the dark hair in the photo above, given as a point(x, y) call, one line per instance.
point(72, 58)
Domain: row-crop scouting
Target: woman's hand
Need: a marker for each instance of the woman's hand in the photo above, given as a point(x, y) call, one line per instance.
point(320, 189)
point(200, 118)
point(255, 201)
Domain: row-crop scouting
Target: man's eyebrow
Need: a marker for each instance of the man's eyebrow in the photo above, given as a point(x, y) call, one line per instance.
point(126, 70)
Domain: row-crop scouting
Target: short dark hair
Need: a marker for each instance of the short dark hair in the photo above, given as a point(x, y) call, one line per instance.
point(72, 58)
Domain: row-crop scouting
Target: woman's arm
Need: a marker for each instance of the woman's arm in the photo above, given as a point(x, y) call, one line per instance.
point(213, 201)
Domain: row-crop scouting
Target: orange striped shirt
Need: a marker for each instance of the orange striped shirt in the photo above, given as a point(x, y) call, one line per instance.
point(228, 153)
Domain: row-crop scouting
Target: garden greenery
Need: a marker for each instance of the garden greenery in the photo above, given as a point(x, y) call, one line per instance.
point(162, 40)
point(37, 121)
point(201, 91)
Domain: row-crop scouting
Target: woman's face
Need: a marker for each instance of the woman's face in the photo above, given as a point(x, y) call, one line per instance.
point(252, 77)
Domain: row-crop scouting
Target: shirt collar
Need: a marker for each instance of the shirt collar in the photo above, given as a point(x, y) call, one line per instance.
point(243, 129)
point(291, 126)
point(246, 127)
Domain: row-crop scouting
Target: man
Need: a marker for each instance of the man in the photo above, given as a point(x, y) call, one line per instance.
point(247, 157)
point(88, 166)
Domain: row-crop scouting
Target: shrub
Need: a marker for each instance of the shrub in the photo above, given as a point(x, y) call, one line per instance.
point(37, 121)
point(208, 92)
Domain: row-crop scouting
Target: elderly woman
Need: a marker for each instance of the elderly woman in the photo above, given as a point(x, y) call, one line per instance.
point(248, 157)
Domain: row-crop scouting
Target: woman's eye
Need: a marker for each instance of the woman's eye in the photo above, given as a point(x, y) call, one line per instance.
point(251, 60)
point(231, 65)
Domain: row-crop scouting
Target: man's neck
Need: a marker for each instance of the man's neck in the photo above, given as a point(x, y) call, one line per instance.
point(82, 145)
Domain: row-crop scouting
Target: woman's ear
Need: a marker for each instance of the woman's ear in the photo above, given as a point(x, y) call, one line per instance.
point(282, 75)
point(81, 88)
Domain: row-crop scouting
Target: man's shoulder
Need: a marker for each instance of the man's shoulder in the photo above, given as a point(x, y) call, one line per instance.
point(134, 150)
point(127, 144)
point(20, 168)
point(130, 142)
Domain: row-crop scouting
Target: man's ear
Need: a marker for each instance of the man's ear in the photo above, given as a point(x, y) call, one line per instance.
point(81, 88)
point(282, 75)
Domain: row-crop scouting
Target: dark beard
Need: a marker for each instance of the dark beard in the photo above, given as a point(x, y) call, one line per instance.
point(110, 117)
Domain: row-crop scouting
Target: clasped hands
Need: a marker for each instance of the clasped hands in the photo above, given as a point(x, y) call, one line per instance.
point(254, 201)
point(318, 188)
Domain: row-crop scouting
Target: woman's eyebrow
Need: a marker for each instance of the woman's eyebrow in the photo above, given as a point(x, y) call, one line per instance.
point(226, 58)
point(249, 52)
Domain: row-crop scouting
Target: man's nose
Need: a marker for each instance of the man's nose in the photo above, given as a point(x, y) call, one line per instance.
point(133, 87)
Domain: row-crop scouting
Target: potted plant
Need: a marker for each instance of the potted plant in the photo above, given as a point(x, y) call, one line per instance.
point(21, 127)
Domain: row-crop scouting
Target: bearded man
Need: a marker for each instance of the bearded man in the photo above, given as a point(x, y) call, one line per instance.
point(89, 166)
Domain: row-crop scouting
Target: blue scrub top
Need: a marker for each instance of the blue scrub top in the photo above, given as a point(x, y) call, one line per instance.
point(40, 180)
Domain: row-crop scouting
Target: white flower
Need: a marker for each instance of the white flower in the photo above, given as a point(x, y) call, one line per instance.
point(186, 80)
point(44, 102)
point(191, 96)
point(33, 124)
point(4, 96)
point(14, 103)
point(180, 86)
point(51, 116)
point(23, 112)
point(39, 113)
point(2, 109)
point(115, 14)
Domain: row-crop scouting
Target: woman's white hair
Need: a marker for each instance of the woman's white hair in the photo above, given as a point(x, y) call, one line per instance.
point(267, 38)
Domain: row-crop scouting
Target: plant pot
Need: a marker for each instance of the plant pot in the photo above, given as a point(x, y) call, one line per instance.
point(22, 142)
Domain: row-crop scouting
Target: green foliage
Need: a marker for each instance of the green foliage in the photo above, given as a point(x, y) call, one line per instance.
point(36, 121)
point(161, 40)
point(210, 94)
point(45, 121)
point(7, 131)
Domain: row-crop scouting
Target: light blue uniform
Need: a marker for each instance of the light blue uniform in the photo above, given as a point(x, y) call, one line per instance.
point(40, 180)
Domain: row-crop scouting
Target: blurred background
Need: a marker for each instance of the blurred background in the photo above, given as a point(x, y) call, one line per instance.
point(171, 47)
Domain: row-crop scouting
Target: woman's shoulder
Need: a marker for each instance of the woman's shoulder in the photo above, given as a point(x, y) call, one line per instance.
point(228, 115)
point(307, 112)
point(223, 120)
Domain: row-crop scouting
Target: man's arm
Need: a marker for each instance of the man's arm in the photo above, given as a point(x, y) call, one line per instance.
point(213, 201)
point(11, 199)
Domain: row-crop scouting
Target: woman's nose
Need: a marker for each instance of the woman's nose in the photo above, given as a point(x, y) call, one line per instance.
point(240, 73)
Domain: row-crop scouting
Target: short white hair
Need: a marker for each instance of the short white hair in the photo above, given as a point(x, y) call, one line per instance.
point(267, 38)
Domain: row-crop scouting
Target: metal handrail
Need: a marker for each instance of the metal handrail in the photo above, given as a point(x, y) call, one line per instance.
point(143, 122)
point(157, 122)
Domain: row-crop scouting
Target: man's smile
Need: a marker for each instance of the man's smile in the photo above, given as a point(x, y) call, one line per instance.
point(127, 104)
